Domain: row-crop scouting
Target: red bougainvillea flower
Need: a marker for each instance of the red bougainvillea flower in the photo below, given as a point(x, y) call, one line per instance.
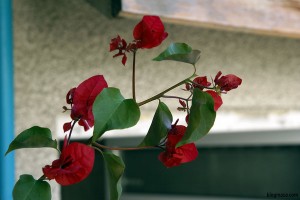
point(217, 99)
point(201, 82)
point(182, 103)
point(183, 106)
point(69, 96)
point(187, 118)
point(82, 99)
point(149, 32)
point(74, 164)
point(172, 156)
point(187, 87)
point(121, 45)
point(227, 82)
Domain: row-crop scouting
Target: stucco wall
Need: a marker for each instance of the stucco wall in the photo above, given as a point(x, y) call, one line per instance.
point(59, 43)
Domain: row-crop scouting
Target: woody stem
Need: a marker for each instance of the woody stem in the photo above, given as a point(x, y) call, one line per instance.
point(43, 177)
point(72, 127)
point(175, 97)
point(121, 148)
point(163, 92)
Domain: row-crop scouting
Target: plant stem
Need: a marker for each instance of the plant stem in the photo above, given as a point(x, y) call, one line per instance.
point(43, 177)
point(187, 103)
point(169, 89)
point(121, 148)
point(72, 127)
point(210, 88)
point(163, 92)
point(133, 76)
point(175, 97)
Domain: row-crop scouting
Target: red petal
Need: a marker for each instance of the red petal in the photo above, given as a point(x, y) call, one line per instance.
point(149, 32)
point(217, 77)
point(113, 44)
point(124, 59)
point(175, 135)
point(175, 156)
point(84, 123)
point(168, 160)
point(84, 97)
point(182, 103)
point(67, 126)
point(229, 82)
point(189, 151)
point(69, 96)
point(117, 43)
point(187, 118)
point(76, 163)
point(201, 82)
point(88, 90)
point(217, 99)
point(180, 155)
point(187, 86)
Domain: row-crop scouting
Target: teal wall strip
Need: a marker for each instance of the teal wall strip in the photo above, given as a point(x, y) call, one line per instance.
point(7, 174)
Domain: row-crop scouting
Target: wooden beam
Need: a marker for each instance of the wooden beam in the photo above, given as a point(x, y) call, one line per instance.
point(271, 17)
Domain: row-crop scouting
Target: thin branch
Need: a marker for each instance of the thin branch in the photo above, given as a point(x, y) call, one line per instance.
point(169, 89)
point(72, 127)
point(175, 97)
point(202, 86)
point(121, 148)
point(187, 103)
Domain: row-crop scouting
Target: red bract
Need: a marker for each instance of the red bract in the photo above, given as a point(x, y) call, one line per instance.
point(187, 118)
point(201, 82)
point(74, 164)
point(217, 99)
point(182, 103)
point(187, 86)
point(69, 96)
point(175, 156)
point(121, 45)
point(67, 126)
point(227, 82)
point(82, 99)
point(150, 32)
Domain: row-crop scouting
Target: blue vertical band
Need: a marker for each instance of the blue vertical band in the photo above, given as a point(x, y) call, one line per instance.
point(7, 175)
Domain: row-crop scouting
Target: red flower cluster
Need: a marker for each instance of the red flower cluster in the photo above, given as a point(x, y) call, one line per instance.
point(148, 33)
point(121, 45)
point(221, 85)
point(82, 99)
point(74, 164)
point(173, 156)
point(227, 82)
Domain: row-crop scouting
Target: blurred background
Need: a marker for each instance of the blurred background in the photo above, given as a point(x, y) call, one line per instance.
point(59, 43)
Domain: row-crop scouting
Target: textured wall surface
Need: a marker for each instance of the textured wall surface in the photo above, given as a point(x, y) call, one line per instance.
point(59, 43)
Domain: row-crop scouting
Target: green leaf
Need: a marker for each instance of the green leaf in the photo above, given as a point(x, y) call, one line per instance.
point(179, 52)
point(112, 111)
point(160, 126)
point(201, 118)
point(33, 137)
point(115, 167)
point(27, 188)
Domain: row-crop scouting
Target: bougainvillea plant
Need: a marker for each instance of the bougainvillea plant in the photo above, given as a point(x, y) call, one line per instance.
point(92, 104)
